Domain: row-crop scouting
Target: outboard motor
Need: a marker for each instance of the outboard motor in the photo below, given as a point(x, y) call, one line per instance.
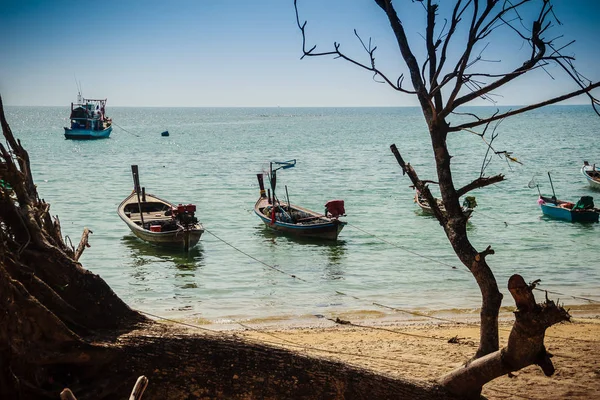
point(335, 209)
point(470, 202)
point(184, 214)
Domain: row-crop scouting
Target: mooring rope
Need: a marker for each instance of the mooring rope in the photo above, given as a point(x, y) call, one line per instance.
point(119, 126)
point(254, 258)
point(403, 248)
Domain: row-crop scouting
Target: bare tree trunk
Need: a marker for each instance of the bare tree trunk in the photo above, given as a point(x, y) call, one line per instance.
point(456, 231)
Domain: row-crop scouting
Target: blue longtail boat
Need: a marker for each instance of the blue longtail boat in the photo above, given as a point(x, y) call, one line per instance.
point(582, 211)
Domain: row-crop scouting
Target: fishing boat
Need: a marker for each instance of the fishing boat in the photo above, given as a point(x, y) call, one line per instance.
point(282, 216)
point(592, 174)
point(158, 221)
point(468, 205)
point(88, 119)
point(582, 211)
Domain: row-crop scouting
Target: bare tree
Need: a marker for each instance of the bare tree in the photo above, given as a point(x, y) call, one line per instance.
point(442, 83)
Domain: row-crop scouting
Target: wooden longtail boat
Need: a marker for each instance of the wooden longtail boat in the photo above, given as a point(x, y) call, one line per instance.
point(592, 174)
point(468, 205)
point(158, 221)
point(282, 216)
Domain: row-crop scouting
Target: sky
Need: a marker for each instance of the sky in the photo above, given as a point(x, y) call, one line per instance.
point(240, 53)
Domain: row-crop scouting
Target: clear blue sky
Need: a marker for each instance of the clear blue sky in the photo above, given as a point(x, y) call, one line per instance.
point(231, 52)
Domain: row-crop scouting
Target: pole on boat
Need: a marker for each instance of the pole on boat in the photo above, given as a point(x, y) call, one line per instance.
point(261, 185)
point(273, 185)
point(552, 186)
point(136, 187)
point(287, 196)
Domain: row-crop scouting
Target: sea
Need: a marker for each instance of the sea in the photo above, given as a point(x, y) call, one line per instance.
point(388, 259)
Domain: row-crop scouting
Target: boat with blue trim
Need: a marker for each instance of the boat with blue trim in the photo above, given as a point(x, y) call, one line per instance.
point(582, 211)
point(88, 120)
point(287, 218)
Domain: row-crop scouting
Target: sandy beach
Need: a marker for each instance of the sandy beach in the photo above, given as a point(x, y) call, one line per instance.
point(428, 348)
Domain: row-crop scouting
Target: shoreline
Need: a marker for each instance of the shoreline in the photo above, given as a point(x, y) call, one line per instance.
point(373, 318)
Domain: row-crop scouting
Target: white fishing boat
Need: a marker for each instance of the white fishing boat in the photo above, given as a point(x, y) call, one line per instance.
point(592, 175)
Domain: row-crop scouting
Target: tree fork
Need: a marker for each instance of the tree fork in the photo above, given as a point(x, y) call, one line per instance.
point(525, 343)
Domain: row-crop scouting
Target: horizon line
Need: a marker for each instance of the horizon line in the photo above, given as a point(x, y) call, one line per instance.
point(346, 106)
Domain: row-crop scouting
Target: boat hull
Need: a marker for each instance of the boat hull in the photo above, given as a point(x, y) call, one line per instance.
point(179, 238)
point(426, 209)
point(321, 228)
point(169, 239)
point(556, 212)
point(592, 175)
point(87, 134)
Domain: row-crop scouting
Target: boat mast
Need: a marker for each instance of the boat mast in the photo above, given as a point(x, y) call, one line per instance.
point(136, 187)
point(552, 186)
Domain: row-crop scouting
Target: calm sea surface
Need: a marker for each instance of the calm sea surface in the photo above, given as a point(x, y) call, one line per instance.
point(389, 253)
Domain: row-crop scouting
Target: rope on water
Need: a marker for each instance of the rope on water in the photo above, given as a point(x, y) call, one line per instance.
point(506, 223)
point(254, 258)
point(403, 248)
point(371, 302)
point(568, 295)
point(131, 133)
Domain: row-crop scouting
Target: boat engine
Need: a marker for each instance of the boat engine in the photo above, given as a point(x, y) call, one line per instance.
point(469, 202)
point(335, 209)
point(185, 215)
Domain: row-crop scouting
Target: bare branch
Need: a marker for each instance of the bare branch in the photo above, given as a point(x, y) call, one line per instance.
point(478, 183)
point(554, 100)
point(338, 54)
point(419, 185)
point(409, 58)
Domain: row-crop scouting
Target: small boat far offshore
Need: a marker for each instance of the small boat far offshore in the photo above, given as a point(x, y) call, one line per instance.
point(88, 120)
point(592, 174)
point(157, 221)
point(290, 219)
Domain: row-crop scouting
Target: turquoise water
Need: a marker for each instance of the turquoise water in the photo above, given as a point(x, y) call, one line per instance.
point(389, 253)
